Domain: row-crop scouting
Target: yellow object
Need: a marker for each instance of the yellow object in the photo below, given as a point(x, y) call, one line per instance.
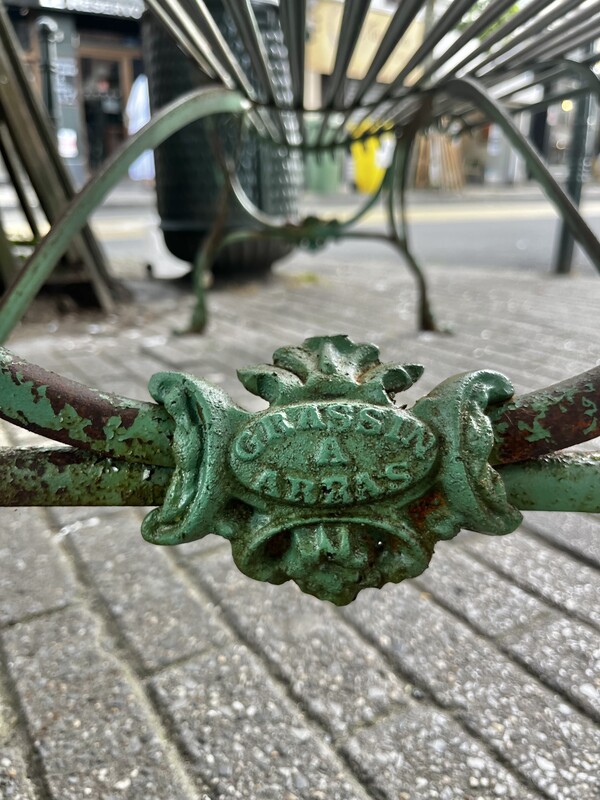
point(371, 158)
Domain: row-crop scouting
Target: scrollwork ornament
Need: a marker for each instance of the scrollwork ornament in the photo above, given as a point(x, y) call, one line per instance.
point(334, 486)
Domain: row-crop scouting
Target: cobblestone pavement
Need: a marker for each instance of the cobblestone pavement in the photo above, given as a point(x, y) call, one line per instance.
point(130, 671)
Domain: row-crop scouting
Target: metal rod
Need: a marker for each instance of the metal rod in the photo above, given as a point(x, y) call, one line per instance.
point(39, 476)
point(355, 12)
point(401, 21)
point(587, 35)
point(245, 21)
point(444, 25)
point(293, 23)
point(562, 482)
point(517, 22)
point(487, 17)
point(568, 40)
point(187, 36)
point(69, 412)
point(548, 419)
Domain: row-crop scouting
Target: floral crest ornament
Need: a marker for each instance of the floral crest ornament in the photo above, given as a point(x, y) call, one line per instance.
point(333, 486)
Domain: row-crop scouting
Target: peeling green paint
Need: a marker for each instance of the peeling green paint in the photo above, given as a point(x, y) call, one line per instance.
point(536, 430)
point(77, 415)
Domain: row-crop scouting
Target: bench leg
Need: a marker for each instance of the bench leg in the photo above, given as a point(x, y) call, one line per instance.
point(205, 258)
point(396, 181)
point(426, 319)
point(170, 119)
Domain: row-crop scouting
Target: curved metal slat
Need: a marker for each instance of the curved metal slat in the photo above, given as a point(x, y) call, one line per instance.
point(355, 12)
point(206, 23)
point(400, 23)
point(561, 40)
point(444, 25)
point(245, 22)
point(486, 18)
point(190, 40)
point(586, 35)
point(171, 118)
point(531, 32)
point(517, 21)
point(293, 23)
point(469, 90)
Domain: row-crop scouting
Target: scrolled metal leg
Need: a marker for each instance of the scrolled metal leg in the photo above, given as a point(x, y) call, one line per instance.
point(167, 121)
point(472, 91)
point(396, 180)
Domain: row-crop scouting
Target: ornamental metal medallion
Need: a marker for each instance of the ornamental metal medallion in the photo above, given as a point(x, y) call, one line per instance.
point(334, 486)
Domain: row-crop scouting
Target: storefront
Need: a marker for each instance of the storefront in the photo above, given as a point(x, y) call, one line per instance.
point(95, 55)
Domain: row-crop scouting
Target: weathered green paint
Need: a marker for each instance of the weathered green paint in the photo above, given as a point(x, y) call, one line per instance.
point(68, 477)
point(547, 420)
point(71, 413)
point(560, 482)
point(39, 476)
point(334, 486)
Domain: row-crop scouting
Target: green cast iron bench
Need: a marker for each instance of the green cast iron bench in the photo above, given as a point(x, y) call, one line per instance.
point(334, 486)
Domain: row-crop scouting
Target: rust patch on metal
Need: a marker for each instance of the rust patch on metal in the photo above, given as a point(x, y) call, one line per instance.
point(550, 419)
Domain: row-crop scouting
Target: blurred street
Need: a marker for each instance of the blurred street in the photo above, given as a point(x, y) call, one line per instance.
point(491, 228)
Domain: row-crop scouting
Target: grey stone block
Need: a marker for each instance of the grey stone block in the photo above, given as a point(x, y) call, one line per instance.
point(88, 721)
point(34, 576)
point(161, 618)
point(566, 654)
point(545, 571)
point(577, 533)
point(545, 739)
point(244, 738)
point(15, 783)
point(338, 678)
point(491, 604)
point(422, 754)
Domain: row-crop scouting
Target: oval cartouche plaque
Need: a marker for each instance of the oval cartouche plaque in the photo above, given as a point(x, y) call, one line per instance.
point(332, 453)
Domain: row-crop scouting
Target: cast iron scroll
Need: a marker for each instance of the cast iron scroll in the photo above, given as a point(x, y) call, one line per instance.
point(334, 486)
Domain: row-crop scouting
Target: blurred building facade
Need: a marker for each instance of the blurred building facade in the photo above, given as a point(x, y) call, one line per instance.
point(95, 57)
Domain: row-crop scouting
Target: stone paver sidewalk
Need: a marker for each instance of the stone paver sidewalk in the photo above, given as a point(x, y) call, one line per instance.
point(130, 671)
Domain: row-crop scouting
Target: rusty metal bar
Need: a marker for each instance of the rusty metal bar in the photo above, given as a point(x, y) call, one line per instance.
point(71, 413)
point(535, 424)
point(547, 420)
